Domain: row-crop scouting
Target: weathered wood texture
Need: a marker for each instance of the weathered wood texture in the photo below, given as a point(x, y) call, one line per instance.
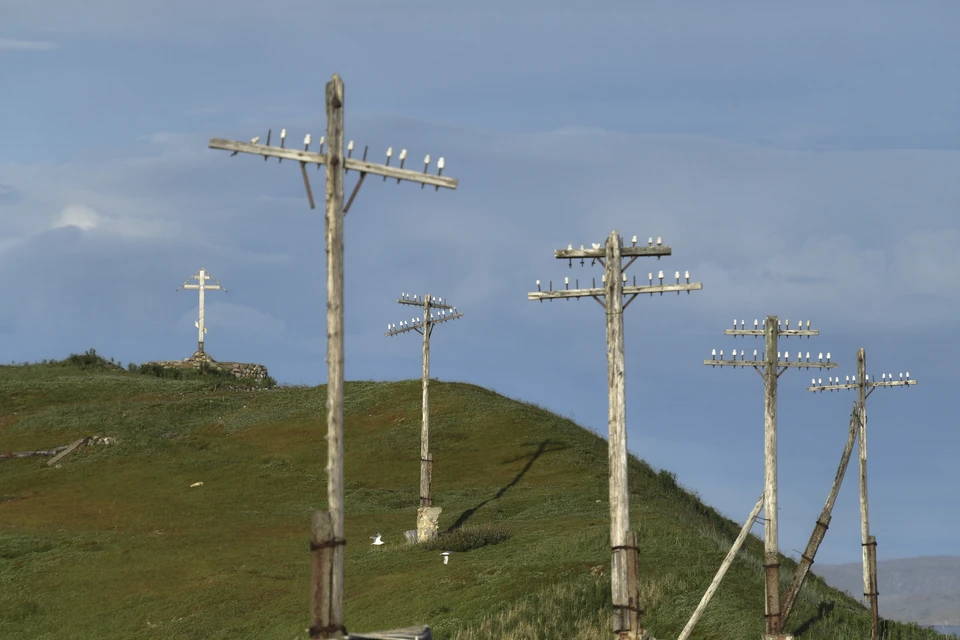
point(335, 355)
point(722, 571)
point(874, 607)
point(856, 385)
point(426, 500)
point(617, 450)
point(70, 449)
point(26, 454)
point(779, 363)
point(771, 558)
point(407, 633)
point(823, 522)
point(624, 290)
point(420, 325)
point(322, 545)
point(428, 527)
point(633, 587)
point(344, 163)
point(625, 252)
point(433, 303)
point(785, 333)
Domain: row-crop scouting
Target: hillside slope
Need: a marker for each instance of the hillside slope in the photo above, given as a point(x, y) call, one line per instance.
point(116, 544)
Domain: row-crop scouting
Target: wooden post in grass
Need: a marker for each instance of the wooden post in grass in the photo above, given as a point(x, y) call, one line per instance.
point(435, 311)
point(623, 583)
point(770, 367)
point(865, 385)
point(322, 598)
point(823, 522)
point(633, 586)
point(336, 166)
point(722, 571)
point(70, 449)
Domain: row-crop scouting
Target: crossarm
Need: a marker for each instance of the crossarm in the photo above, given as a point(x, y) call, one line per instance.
point(310, 157)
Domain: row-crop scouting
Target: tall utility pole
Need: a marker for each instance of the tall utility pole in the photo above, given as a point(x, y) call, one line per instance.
point(770, 365)
point(865, 387)
point(424, 326)
point(327, 611)
point(623, 578)
point(201, 277)
point(823, 522)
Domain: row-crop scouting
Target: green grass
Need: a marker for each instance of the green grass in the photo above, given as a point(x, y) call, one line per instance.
point(115, 544)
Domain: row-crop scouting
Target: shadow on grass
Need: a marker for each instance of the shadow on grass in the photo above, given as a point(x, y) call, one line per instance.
point(543, 447)
point(824, 609)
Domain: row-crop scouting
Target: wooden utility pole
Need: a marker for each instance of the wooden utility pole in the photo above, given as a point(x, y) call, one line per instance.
point(330, 624)
point(201, 277)
point(424, 326)
point(865, 386)
point(770, 365)
point(823, 522)
point(625, 591)
point(722, 571)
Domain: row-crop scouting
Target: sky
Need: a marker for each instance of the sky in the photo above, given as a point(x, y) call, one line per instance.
point(800, 159)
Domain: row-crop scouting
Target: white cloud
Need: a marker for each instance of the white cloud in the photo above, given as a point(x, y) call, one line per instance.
point(87, 219)
point(80, 216)
point(9, 44)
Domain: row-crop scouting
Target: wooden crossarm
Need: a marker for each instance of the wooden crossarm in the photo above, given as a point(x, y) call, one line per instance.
point(763, 363)
point(841, 387)
point(626, 252)
point(631, 290)
point(420, 325)
point(310, 157)
point(785, 333)
point(433, 305)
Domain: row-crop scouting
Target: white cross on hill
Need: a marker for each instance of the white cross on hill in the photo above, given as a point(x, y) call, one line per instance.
point(201, 277)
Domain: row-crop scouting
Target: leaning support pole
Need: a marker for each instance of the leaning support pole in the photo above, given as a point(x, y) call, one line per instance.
point(874, 592)
point(823, 522)
point(722, 571)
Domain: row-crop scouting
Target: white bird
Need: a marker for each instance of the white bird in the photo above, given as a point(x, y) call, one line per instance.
point(446, 557)
point(376, 540)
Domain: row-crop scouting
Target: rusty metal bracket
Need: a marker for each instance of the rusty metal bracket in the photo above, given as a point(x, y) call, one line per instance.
point(336, 542)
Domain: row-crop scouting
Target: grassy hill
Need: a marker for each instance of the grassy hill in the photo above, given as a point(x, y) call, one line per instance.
point(114, 543)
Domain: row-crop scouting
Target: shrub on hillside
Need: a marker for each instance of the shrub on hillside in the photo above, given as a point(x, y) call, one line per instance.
point(220, 377)
point(89, 360)
point(467, 538)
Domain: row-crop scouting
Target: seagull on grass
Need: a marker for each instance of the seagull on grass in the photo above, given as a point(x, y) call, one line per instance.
point(446, 557)
point(376, 540)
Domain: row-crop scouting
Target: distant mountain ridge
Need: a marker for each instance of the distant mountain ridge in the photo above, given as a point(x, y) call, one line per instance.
point(925, 590)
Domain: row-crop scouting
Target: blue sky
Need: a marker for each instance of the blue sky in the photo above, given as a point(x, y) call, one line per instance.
point(800, 159)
